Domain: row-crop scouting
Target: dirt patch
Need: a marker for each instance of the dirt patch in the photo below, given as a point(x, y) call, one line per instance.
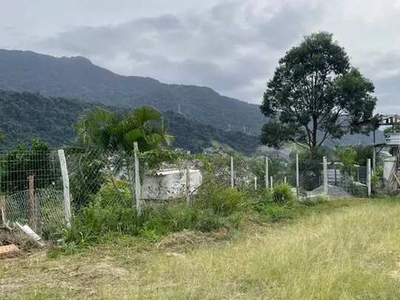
point(18, 238)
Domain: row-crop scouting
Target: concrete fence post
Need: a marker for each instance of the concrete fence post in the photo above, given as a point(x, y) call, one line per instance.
point(266, 172)
point(188, 179)
point(297, 175)
point(137, 179)
point(325, 167)
point(369, 187)
point(232, 176)
point(66, 194)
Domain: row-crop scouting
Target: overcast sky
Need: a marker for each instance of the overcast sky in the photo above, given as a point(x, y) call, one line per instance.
point(231, 46)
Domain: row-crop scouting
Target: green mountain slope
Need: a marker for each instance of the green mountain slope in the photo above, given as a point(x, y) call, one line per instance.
point(27, 115)
point(78, 78)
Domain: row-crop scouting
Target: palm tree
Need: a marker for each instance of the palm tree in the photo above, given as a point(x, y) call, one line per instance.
point(113, 132)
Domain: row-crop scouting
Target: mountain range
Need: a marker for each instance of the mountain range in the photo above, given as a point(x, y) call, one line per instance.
point(42, 95)
point(24, 116)
point(78, 78)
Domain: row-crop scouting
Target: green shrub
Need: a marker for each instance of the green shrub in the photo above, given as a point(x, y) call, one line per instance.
point(274, 212)
point(282, 193)
point(264, 196)
point(222, 200)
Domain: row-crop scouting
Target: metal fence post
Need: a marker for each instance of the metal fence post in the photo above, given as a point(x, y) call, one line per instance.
point(137, 178)
point(188, 180)
point(266, 173)
point(232, 181)
point(255, 183)
point(325, 167)
point(271, 181)
point(369, 188)
point(65, 179)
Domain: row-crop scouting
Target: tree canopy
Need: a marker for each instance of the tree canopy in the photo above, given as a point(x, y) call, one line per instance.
point(315, 94)
point(112, 132)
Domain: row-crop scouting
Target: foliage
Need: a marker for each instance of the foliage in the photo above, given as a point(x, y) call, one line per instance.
point(277, 168)
point(392, 129)
point(113, 132)
point(314, 89)
point(20, 162)
point(153, 158)
point(26, 115)
point(222, 200)
point(377, 179)
point(78, 78)
point(86, 174)
point(274, 212)
point(310, 165)
point(347, 157)
point(363, 153)
point(110, 212)
point(282, 193)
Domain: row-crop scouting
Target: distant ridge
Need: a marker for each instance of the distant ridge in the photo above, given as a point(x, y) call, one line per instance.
point(24, 116)
point(78, 78)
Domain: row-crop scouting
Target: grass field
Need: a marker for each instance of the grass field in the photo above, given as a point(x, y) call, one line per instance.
point(349, 249)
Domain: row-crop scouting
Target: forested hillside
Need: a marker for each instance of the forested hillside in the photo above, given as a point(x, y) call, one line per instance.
point(78, 78)
point(27, 115)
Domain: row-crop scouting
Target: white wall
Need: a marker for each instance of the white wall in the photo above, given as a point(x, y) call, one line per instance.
point(169, 184)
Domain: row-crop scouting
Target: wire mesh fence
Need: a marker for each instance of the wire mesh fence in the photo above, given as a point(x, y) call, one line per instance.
point(31, 189)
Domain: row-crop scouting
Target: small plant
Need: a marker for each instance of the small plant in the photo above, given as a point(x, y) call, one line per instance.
point(376, 179)
point(282, 193)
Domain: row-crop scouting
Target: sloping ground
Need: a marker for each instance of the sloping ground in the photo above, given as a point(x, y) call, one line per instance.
point(24, 116)
point(350, 253)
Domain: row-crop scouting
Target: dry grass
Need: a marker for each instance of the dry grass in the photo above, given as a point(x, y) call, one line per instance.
point(350, 253)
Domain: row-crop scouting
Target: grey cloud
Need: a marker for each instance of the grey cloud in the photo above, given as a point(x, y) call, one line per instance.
point(226, 47)
point(233, 47)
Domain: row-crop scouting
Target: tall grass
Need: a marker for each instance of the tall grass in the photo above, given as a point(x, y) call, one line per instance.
point(350, 254)
point(213, 207)
point(344, 249)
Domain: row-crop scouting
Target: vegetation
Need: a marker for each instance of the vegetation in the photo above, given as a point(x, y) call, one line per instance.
point(283, 193)
point(27, 115)
point(21, 162)
point(347, 157)
point(111, 132)
point(315, 91)
point(78, 78)
point(345, 249)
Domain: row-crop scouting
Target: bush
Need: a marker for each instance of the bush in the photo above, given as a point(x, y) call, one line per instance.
point(222, 200)
point(274, 212)
point(264, 196)
point(282, 193)
point(111, 212)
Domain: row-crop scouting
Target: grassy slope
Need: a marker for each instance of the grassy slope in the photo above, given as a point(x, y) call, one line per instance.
point(350, 252)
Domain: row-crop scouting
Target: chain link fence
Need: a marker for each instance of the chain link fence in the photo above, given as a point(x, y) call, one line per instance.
point(33, 191)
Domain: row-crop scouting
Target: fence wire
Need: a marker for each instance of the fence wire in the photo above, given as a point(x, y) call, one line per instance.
point(31, 189)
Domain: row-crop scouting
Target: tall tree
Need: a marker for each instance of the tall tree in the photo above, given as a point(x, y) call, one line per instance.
point(315, 94)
